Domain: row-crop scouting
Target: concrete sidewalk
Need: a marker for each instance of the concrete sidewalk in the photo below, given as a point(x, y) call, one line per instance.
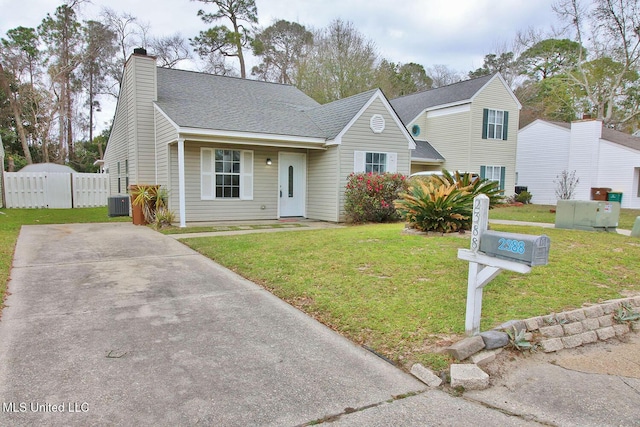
point(113, 324)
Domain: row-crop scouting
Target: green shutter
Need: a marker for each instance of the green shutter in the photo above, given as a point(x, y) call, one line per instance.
point(483, 171)
point(502, 176)
point(505, 125)
point(485, 121)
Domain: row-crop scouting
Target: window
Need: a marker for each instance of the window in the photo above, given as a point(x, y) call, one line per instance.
point(373, 162)
point(493, 173)
point(415, 130)
point(226, 174)
point(494, 124)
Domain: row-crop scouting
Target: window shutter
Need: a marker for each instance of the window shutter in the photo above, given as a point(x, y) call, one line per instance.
point(504, 126)
point(502, 176)
point(485, 122)
point(207, 188)
point(392, 162)
point(358, 161)
point(483, 172)
point(246, 175)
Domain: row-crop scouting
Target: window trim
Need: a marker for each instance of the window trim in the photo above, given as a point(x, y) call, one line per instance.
point(501, 180)
point(359, 161)
point(208, 174)
point(486, 125)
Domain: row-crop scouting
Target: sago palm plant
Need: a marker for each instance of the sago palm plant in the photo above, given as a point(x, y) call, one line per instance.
point(429, 206)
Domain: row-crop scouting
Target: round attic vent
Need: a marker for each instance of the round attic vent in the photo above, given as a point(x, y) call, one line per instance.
point(376, 123)
point(415, 130)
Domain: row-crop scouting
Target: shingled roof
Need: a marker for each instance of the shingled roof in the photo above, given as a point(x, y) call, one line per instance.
point(611, 135)
point(425, 152)
point(410, 106)
point(206, 101)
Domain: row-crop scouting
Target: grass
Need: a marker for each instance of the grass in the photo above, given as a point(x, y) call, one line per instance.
point(12, 219)
point(404, 295)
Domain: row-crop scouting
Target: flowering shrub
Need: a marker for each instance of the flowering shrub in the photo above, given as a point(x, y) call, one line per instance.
point(369, 197)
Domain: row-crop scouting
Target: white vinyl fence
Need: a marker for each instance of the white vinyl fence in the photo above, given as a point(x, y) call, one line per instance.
point(55, 190)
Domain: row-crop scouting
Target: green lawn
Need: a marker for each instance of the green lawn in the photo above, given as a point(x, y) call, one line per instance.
point(12, 219)
point(404, 295)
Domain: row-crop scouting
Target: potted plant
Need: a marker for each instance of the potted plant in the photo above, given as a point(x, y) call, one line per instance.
point(145, 201)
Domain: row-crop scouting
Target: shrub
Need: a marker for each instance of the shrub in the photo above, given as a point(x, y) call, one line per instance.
point(472, 184)
point(433, 206)
point(566, 184)
point(369, 197)
point(524, 197)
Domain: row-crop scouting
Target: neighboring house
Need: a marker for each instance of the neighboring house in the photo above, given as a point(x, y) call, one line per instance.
point(600, 157)
point(470, 126)
point(236, 149)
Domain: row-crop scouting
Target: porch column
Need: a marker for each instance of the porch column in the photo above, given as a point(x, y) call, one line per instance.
point(181, 190)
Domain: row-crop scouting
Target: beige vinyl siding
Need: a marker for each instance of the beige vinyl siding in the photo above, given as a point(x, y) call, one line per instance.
point(360, 137)
point(449, 134)
point(132, 135)
point(421, 121)
point(165, 134)
point(145, 76)
point(265, 186)
point(495, 152)
point(119, 141)
point(322, 184)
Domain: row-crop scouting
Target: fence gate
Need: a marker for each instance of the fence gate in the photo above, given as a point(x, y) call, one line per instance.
point(54, 190)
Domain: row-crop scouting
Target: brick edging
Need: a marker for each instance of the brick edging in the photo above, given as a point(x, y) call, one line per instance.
point(574, 328)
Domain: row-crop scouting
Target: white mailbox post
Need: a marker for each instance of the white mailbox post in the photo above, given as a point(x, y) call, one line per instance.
point(502, 251)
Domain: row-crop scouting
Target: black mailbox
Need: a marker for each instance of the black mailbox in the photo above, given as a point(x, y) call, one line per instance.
point(522, 248)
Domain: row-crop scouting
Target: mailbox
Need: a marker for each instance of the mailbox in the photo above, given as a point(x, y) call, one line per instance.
point(522, 248)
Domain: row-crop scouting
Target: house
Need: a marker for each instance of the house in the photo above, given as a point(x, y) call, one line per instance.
point(236, 149)
point(600, 157)
point(469, 126)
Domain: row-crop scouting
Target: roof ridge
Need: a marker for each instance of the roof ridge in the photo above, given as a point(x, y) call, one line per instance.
point(224, 76)
point(487, 76)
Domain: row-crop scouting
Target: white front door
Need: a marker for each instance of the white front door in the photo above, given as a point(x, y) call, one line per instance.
point(292, 183)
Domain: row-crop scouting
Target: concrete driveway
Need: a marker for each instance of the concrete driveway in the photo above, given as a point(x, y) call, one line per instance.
point(121, 325)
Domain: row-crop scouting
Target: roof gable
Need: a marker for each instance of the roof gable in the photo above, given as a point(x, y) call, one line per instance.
point(362, 101)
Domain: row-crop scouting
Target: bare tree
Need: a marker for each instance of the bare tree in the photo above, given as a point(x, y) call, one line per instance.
point(343, 63)
point(610, 30)
point(281, 46)
point(170, 50)
point(566, 184)
point(442, 75)
point(130, 33)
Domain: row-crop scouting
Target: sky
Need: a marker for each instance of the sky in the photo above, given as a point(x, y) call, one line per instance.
point(455, 33)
